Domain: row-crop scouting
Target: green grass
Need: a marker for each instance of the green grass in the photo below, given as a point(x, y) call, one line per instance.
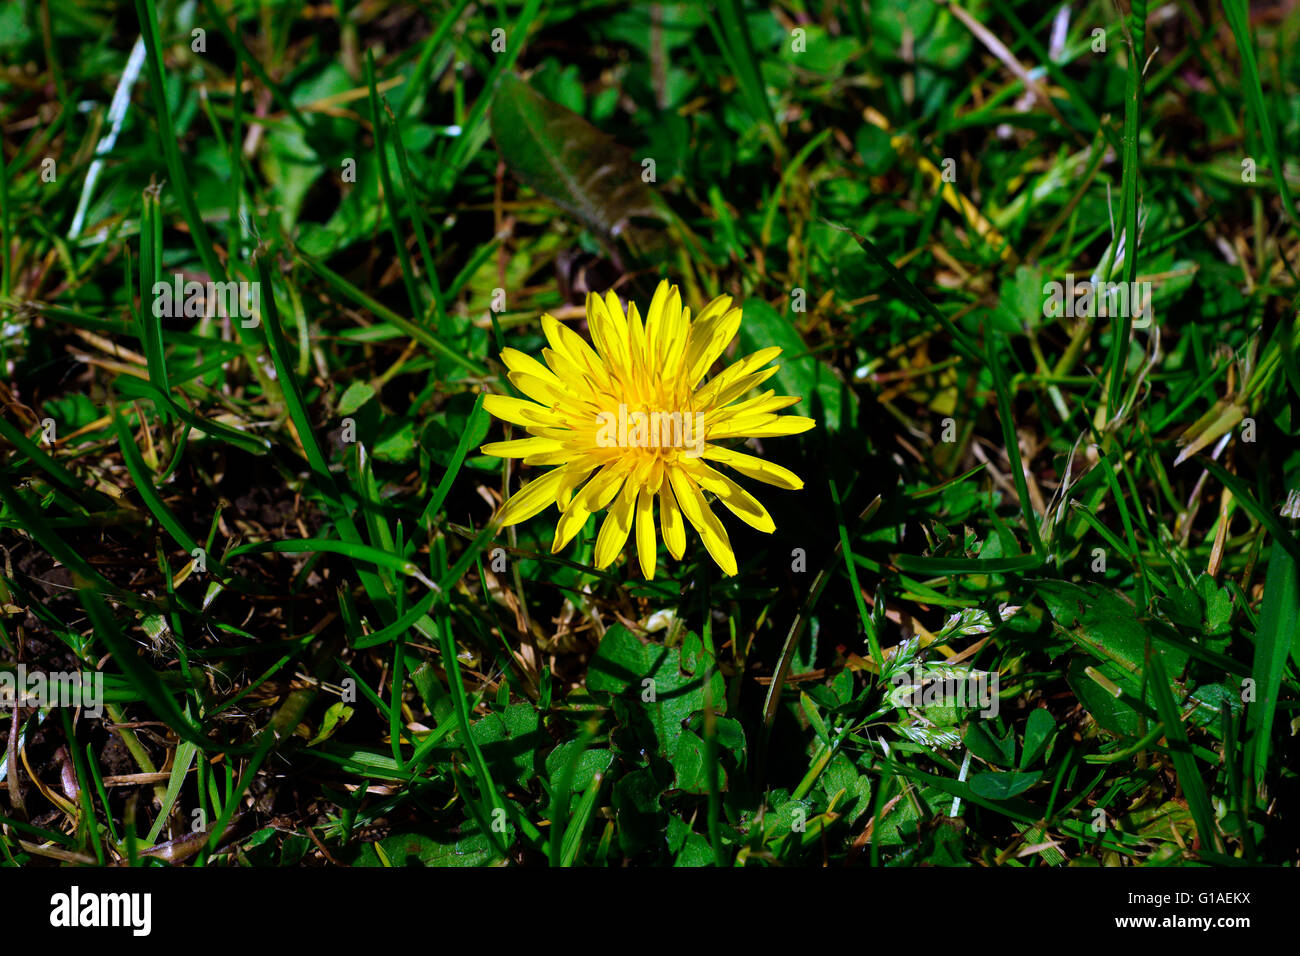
point(274, 536)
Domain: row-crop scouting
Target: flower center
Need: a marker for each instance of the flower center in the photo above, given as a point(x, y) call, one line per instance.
point(651, 432)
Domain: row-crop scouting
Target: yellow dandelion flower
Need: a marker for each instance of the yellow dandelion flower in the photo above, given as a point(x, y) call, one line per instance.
point(636, 416)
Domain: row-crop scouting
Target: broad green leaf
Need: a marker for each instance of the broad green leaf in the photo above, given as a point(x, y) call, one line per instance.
point(1038, 731)
point(357, 394)
point(469, 847)
point(1111, 712)
point(1104, 623)
point(692, 848)
point(509, 741)
point(1002, 786)
point(399, 444)
point(650, 677)
point(590, 763)
point(689, 764)
point(559, 154)
point(825, 397)
point(983, 744)
point(336, 716)
point(635, 799)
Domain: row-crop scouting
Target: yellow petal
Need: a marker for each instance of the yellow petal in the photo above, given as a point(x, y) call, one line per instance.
point(575, 348)
point(645, 533)
point(678, 331)
point(655, 324)
point(560, 456)
point(699, 514)
point(615, 309)
point(520, 447)
point(670, 520)
point(762, 426)
point(764, 404)
point(532, 498)
point(753, 360)
point(574, 475)
point(565, 368)
point(744, 384)
point(609, 334)
point(539, 389)
point(716, 308)
point(525, 364)
point(736, 499)
point(577, 471)
point(707, 394)
point(642, 368)
point(708, 340)
point(655, 476)
point(769, 427)
point(518, 411)
point(601, 490)
point(755, 468)
point(617, 525)
point(571, 522)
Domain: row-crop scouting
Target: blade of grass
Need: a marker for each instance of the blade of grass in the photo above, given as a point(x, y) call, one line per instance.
point(1239, 21)
point(1242, 494)
point(89, 498)
point(143, 679)
point(86, 805)
point(474, 131)
point(793, 636)
point(1279, 612)
point(417, 332)
point(578, 823)
point(379, 127)
point(1134, 31)
point(357, 552)
point(184, 759)
point(417, 219)
point(1189, 774)
point(868, 625)
point(144, 480)
point(147, 13)
point(31, 521)
point(1011, 442)
point(476, 417)
point(737, 47)
point(914, 295)
point(559, 810)
point(460, 699)
point(420, 74)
